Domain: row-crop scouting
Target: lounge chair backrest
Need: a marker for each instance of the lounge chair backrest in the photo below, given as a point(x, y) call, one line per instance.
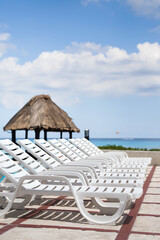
point(20, 155)
point(97, 151)
point(91, 145)
point(65, 150)
point(48, 161)
point(81, 147)
point(92, 149)
point(52, 151)
point(121, 155)
point(13, 172)
point(89, 149)
point(73, 148)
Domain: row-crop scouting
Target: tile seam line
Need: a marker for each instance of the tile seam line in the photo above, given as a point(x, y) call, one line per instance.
point(148, 215)
point(145, 233)
point(127, 228)
point(153, 194)
point(25, 225)
point(151, 203)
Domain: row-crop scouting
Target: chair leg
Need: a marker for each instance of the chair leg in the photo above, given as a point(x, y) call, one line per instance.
point(7, 206)
point(102, 219)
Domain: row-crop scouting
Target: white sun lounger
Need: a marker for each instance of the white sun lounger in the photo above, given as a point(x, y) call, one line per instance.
point(112, 157)
point(46, 160)
point(122, 156)
point(29, 185)
point(76, 178)
point(55, 153)
point(60, 145)
point(104, 163)
point(35, 167)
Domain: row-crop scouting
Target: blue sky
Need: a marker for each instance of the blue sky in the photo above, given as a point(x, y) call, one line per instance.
point(97, 59)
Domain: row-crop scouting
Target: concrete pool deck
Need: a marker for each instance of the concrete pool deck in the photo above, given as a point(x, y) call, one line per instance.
point(58, 218)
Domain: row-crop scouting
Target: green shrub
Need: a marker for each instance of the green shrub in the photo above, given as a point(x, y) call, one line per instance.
point(120, 147)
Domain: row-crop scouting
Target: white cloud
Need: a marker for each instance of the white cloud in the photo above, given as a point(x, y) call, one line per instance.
point(156, 29)
point(3, 49)
point(4, 45)
point(81, 70)
point(4, 36)
point(146, 7)
point(141, 7)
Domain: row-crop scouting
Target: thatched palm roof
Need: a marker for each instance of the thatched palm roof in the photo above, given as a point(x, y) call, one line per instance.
point(41, 113)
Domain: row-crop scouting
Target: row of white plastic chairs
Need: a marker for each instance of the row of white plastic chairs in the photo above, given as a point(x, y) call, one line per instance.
point(91, 150)
point(70, 174)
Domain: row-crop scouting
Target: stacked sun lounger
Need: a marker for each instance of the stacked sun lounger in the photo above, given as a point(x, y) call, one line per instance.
point(26, 185)
point(58, 171)
point(99, 166)
point(76, 154)
point(93, 151)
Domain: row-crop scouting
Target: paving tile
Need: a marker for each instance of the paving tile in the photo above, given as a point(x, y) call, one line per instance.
point(153, 190)
point(58, 234)
point(156, 175)
point(86, 235)
point(152, 198)
point(154, 184)
point(157, 168)
point(143, 237)
point(7, 220)
point(155, 179)
point(30, 234)
point(147, 224)
point(150, 209)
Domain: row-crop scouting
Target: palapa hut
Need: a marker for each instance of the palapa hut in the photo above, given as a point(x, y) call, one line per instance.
point(41, 113)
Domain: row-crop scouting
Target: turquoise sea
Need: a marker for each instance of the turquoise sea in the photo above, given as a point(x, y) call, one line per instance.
point(148, 143)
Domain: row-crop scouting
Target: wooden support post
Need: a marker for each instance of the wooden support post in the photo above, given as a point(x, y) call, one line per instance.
point(70, 134)
point(45, 134)
point(26, 134)
point(14, 136)
point(61, 135)
point(37, 133)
